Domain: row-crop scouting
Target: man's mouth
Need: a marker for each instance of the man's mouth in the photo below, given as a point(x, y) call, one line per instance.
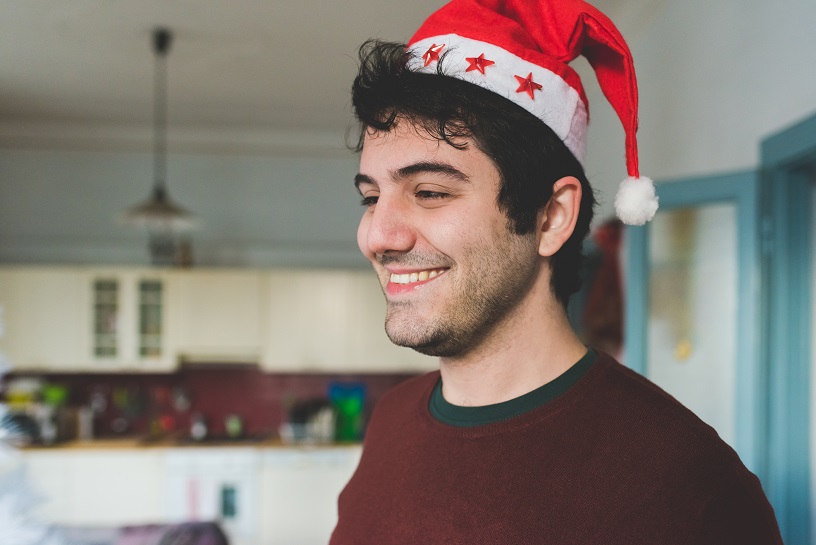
point(416, 276)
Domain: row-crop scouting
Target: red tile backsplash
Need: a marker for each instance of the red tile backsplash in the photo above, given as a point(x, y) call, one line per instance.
point(143, 404)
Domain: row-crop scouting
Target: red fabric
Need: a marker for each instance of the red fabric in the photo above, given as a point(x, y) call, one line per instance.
point(603, 310)
point(615, 460)
point(551, 34)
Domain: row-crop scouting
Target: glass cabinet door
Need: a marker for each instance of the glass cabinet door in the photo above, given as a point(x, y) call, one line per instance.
point(105, 318)
point(128, 318)
point(150, 318)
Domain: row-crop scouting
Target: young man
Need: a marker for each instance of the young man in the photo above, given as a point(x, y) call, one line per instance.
point(476, 205)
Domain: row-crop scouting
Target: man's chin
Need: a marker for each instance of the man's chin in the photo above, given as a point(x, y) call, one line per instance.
point(435, 344)
point(425, 348)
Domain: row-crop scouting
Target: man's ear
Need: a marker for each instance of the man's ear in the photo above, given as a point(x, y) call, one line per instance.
point(556, 221)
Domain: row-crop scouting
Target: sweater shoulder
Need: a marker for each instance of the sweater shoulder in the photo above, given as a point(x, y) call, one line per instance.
point(673, 448)
point(639, 402)
point(641, 393)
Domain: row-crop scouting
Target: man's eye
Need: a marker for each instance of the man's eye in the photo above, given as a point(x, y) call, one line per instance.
point(369, 201)
point(429, 195)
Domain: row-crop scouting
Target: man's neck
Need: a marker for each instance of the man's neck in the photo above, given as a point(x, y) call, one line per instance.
point(528, 349)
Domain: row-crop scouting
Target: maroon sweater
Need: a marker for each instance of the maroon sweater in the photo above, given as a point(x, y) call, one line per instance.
point(614, 460)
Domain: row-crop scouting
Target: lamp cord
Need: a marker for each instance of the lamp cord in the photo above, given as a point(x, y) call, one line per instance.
point(161, 44)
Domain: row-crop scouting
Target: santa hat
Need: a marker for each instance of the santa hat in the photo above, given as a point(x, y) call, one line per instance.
point(519, 49)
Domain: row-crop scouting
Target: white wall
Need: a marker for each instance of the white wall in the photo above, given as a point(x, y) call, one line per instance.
point(62, 207)
point(715, 78)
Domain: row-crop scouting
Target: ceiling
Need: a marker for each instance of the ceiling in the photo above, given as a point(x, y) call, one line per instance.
point(268, 66)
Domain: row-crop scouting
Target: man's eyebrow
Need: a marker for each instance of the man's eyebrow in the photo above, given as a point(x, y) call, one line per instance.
point(362, 179)
point(414, 169)
point(432, 167)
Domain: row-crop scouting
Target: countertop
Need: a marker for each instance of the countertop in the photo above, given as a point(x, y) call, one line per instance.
point(133, 443)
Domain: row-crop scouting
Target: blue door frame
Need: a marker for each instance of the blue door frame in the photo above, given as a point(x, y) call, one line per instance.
point(742, 189)
point(788, 167)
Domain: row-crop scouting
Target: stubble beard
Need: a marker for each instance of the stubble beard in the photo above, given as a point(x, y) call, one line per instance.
point(497, 279)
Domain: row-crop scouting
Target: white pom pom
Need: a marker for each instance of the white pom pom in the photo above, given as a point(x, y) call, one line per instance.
point(636, 201)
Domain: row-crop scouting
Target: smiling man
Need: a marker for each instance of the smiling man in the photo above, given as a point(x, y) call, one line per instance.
point(475, 209)
point(452, 270)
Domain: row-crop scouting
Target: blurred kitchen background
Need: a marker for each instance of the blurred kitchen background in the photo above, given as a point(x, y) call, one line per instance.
point(224, 373)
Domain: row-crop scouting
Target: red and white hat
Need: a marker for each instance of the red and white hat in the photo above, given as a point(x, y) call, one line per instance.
point(519, 49)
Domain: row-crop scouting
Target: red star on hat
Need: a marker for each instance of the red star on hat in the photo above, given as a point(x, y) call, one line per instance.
point(478, 63)
point(433, 53)
point(527, 85)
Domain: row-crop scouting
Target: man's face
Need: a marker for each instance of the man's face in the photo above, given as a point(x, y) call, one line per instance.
point(450, 268)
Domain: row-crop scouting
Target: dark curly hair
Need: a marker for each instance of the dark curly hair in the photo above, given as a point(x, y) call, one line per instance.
point(527, 153)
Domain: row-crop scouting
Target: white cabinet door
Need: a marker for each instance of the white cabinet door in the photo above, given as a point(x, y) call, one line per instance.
point(42, 317)
point(331, 321)
point(48, 476)
point(219, 315)
point(131, 324)
point(308, 321)
point(97, 487)
point(372, 350)
point(300, 491)
point(111, 487)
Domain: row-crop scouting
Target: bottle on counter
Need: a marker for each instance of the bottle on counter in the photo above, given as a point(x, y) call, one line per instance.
point(198, 427)
point(85, 423)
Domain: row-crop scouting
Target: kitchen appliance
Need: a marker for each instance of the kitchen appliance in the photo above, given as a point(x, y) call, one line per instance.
point(215, 485)
point(309, 422)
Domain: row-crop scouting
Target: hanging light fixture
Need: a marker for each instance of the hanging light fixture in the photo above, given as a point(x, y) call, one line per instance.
point(163, 218)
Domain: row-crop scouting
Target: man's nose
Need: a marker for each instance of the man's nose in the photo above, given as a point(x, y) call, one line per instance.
point(390, 228)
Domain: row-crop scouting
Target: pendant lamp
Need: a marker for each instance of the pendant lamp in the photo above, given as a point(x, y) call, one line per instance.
point(162, 217)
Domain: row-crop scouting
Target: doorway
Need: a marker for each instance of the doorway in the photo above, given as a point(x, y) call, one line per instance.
point(721, 313)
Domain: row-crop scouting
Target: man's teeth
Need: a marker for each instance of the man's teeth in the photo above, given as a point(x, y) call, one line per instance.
point(410, 278)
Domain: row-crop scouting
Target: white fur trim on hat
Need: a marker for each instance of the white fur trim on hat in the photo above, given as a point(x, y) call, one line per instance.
point(636, 201)
point(557, 104)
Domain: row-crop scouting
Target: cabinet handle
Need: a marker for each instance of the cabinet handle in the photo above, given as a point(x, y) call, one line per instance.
point(229, 502)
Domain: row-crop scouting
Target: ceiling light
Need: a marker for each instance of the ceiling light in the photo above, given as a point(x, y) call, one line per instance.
point(161, 216)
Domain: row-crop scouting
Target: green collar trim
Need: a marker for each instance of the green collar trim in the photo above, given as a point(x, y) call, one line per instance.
point(466, 417)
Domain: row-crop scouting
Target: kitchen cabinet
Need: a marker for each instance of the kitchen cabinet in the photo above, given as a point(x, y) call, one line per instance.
point(300, 491)
point(259, 495)
point(49, 478)
point(331, 321)
point(69, 319)
point(308, 320)
point(131, 324)
point(97, 487)
point(219, 315)
point(115, 319)
point(111, 487)
point(43, 317)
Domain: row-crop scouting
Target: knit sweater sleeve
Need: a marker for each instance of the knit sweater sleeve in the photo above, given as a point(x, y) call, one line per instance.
point(739, 513)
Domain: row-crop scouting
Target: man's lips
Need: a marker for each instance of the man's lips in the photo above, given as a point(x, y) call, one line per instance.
point(402, 281)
